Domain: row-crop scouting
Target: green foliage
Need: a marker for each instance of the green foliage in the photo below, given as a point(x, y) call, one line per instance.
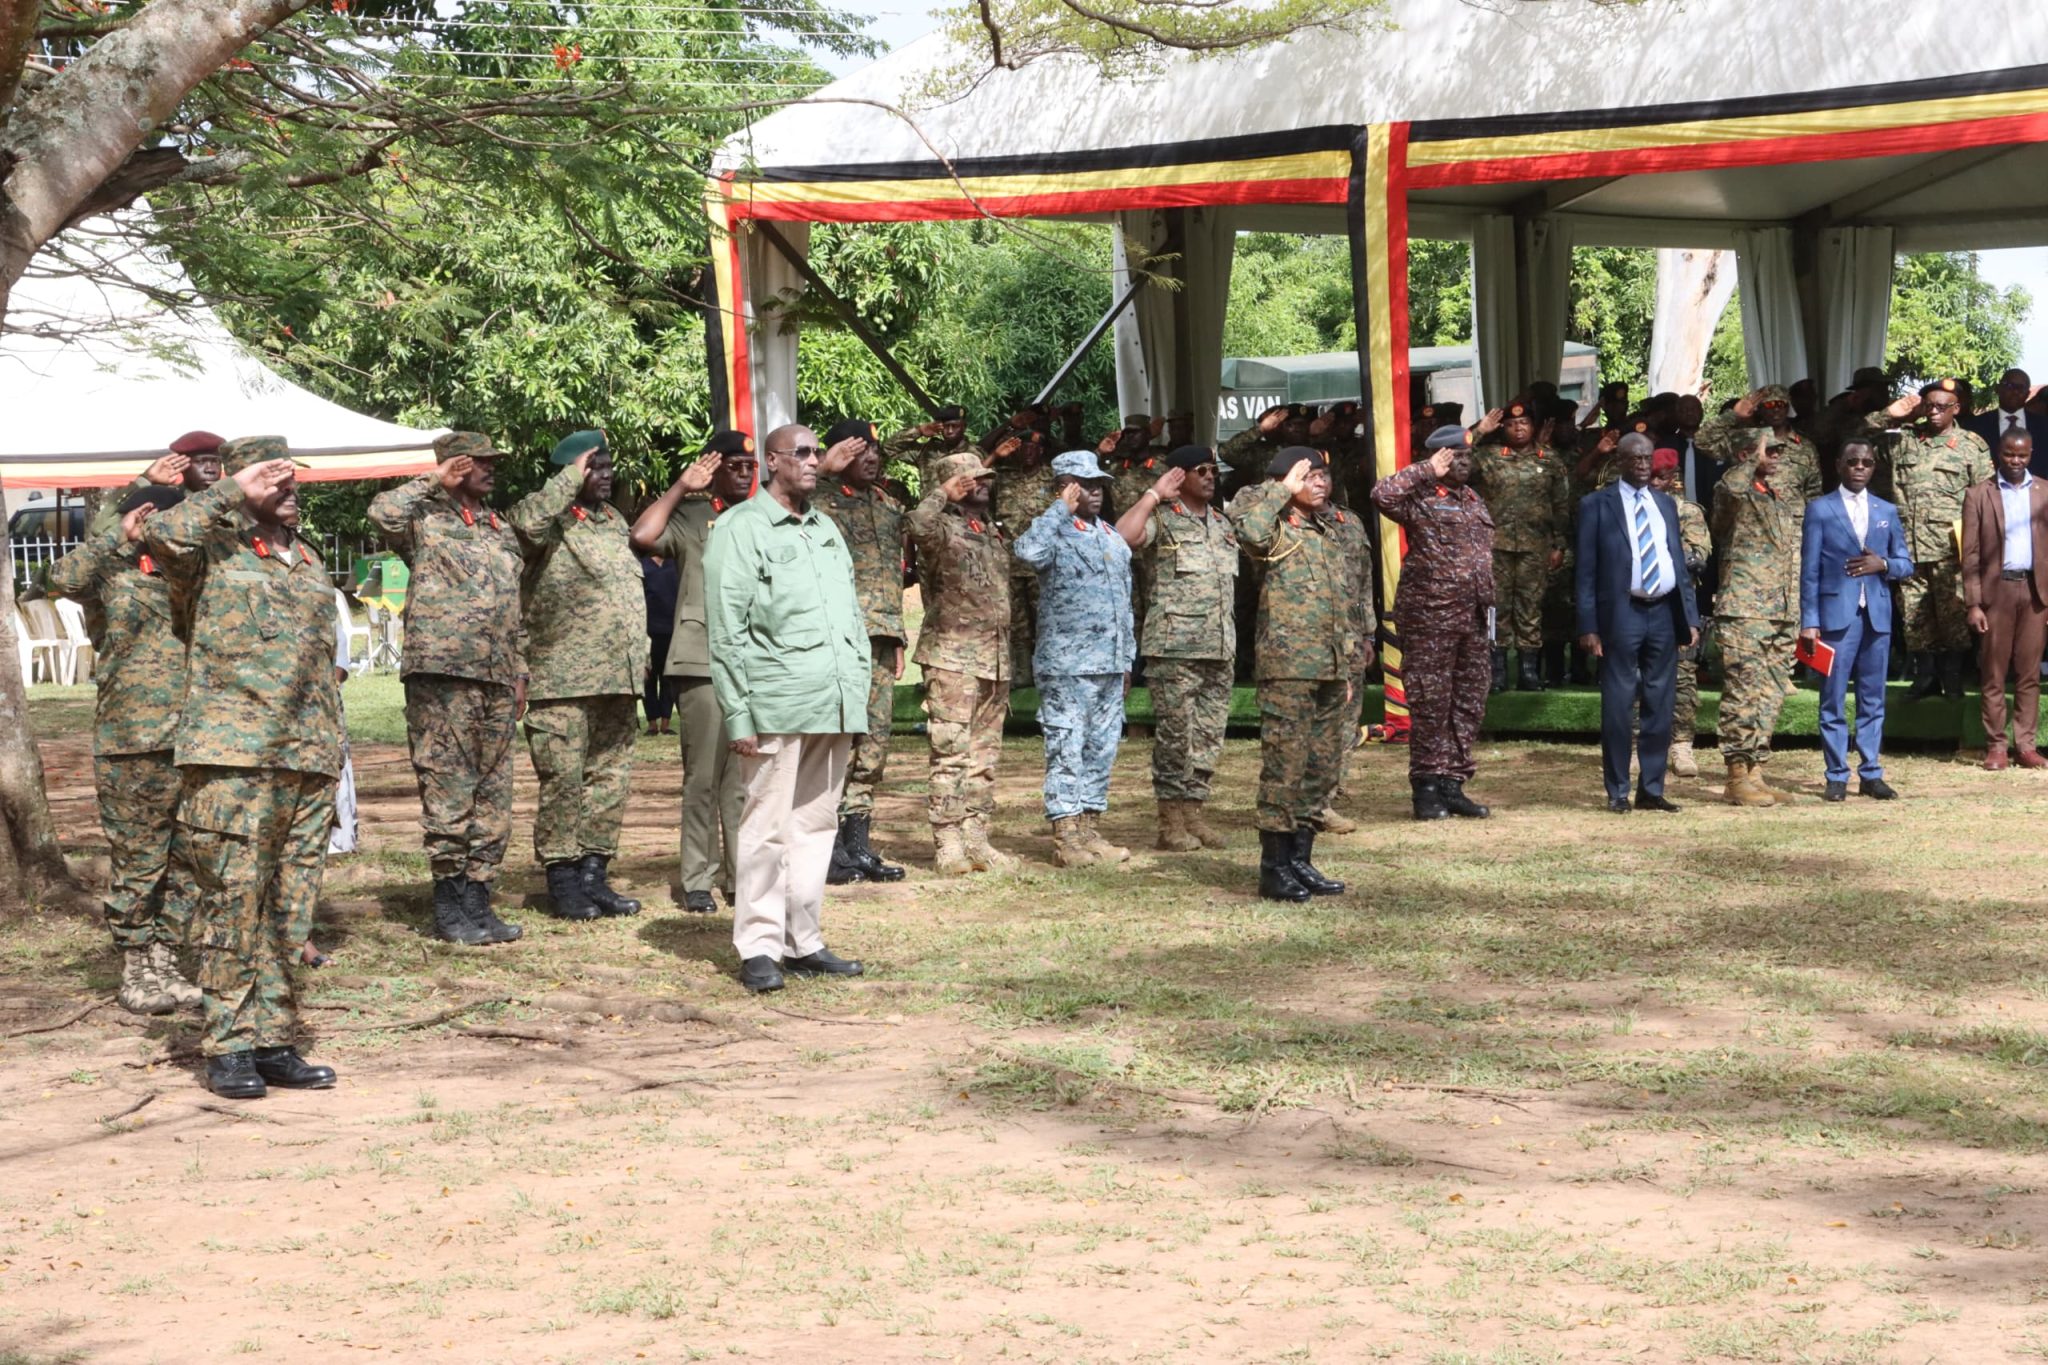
point(1289, 296)
point(1947, 319)
point(1439, 293)
point(1613, 307)
point(1130, 38)
point(1727, 357)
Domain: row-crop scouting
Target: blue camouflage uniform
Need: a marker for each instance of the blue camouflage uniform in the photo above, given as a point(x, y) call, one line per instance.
point(1086, 644)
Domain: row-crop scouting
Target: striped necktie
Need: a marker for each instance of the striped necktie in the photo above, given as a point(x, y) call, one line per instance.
point(1646, 547)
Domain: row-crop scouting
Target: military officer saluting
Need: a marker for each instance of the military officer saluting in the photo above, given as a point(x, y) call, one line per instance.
point(1756, 611)
point(464, 673)
point(1527, 490)
point(964, 649)
point(850, 492)
point(586, 634)
point(1189, 636)
point(925, 444)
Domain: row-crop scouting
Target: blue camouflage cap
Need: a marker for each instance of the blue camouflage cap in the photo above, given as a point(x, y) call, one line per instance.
point(1078, 464)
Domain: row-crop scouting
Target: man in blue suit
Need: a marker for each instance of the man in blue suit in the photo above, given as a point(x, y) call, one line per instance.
point(1634, 606)
point(1852, 551)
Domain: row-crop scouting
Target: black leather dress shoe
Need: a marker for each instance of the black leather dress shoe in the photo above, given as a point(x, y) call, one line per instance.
point(1619, 805)
point(1877, 789)
point(1836, 791)
point(232, 1076)
point(698, 902)
point(283, 1066)
point(759, 974)
point(1645, 801)
point(824, 962)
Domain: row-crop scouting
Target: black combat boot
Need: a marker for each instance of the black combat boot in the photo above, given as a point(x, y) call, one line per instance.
point(845, 865)
point(1500, 671)
point(864, 851)
point(1952, 662)
point(477, 899)
point(1925, 680)
point(233, 1076)
point(1304, 868)
point(1553, 664)
point(566, 897)
point(608, 902)
point(1529, 678)
point(1277, 881)
point(1582, 667)
point(452, 920)
point(1429, 799)
point(1451, 791)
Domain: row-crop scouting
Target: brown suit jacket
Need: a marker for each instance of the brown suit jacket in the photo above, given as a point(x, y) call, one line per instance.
point(1984, 540)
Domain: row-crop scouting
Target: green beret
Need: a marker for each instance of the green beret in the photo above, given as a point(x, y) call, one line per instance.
point(575, 446)
point(474, 444)
point(238, 454)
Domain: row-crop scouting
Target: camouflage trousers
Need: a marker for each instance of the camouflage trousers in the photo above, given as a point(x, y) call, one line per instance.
point(964, 720)
point(1190, 708)
point(713, 795)
point(1304, 728)
point(1932, 602)
point(1023, 627)
point(1082, 717)
point(1685, 710)
point(460, 733)
point(1756, 666)
point(152, 895)
point(257, 842)
point(582, 751)
point(1352, 737)
point(871, 750)
point(1520, 579)
point(1447, 671)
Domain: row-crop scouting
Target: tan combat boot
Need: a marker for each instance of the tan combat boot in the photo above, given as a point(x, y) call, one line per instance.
point(141, 992)
point(1757, 783)
point(950, 848)
point(1742, 788)
point(163, 960)
point(1102, 848)
point(985, 855)
point(1682, 761)
point(1174, 835)
point(1210, 836)
point(1070, 843)
point(1331, 822)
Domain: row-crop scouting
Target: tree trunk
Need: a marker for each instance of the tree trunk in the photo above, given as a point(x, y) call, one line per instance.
point(1693, 289)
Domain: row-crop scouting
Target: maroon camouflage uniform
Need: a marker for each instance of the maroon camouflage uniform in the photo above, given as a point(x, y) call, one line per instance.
point(1440, 609)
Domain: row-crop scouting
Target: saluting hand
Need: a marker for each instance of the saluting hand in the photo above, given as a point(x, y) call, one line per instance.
point(1904, 407)
point(167, 469)
point(696, 476)
point(1070, 494)
point(1108, 444)
point(1270, 423)
point(838, 457)
point(1006, 447)
point(1168, 485)
point(131, 524)
point(1439, 463)
point(1488, 423)
point(1609, 440)
point(958, 487)
point(1297, 477)
point(260, 479)
point(1745, 406)
point(454, 472)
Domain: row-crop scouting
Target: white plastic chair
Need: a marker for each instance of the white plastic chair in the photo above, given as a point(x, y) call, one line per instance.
point(47, 647)
point(71, 617)
point(351, 635)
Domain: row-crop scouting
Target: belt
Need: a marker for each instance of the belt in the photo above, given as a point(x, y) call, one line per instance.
point(2016, 575)
point(1642, 601)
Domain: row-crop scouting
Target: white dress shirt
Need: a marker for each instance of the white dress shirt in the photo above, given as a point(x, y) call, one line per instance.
point(1858, 507)
point(1630, 495)
point(2018, 500)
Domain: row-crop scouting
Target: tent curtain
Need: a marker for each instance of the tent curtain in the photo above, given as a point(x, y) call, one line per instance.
point(1496, 308)
point(1546, 299)
point(772, 286)
point(1133, 378)
point(1211, 247)
point(1773, 329)
point(1856, 299)
point(1149, 346)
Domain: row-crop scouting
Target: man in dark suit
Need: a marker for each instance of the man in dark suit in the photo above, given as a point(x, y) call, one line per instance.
point(1851, 552)
point(2005, 593)
point(1634, 605)
point(2014, 389)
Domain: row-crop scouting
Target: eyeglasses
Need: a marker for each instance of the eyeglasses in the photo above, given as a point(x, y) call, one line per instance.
point(1933, 406)
point(801, 452)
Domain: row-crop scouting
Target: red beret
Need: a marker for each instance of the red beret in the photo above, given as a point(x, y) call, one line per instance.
point(198, 443)
point(1663, 460)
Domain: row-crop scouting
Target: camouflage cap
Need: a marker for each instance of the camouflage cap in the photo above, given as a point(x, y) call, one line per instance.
point(238, 454)
point(575, 446)
point(1869, 377)
point(474, 444)
point(1774, 393)
point(953, 466)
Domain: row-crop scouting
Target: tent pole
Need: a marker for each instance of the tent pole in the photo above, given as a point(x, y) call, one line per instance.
point(848, 316)
point(1094, 335)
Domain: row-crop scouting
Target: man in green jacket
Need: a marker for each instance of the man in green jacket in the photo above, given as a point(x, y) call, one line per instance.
point(790, 664)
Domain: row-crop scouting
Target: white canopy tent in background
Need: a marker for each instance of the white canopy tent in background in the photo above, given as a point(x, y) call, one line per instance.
point(102, 369)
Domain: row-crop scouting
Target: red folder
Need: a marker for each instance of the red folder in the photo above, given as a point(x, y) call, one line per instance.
point(1815, 655)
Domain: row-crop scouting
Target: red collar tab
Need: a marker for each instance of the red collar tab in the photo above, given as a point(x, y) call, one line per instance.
point(1148, 464)
point(145, 563)
point(494, 520)
point(847, 489)
point(1294, 519)
point(717, 504)
point(577, 508)
point(1340, 515)
point(468, 517)
point(974, 526)
point(1443, 491)
point(1080, 525)
point(1178, 508)
point(262, 550)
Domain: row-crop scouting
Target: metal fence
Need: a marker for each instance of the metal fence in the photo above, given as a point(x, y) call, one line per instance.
point(34, 555)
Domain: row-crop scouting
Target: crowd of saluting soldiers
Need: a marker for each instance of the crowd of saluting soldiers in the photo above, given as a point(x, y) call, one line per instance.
point(1044, 559)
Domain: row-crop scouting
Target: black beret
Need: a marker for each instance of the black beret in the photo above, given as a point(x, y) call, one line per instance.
point(849, 429)
point(951, 412)
point(1190, 457)
point(1278, 466)
point(163, 497)
point(729, 443)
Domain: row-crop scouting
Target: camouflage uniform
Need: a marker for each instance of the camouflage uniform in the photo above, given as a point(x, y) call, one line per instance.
point(1926, 476)
point(1440, 613)
point(1731, 440)
point(1246, 455)
point(1021, 492)
point(1527, 494)
point(1756, 607)
point(872, 523)
point(1305, 645)
point(1130, 476)
point(1189, 644)
point(1365, 624)
point(964, 649)
point(140, 674)
point(465, 652)
point(1085, 647)
point(258, 745)
point(712, 792)
point(920, 452)
point(586, 628)
point(1698, 544)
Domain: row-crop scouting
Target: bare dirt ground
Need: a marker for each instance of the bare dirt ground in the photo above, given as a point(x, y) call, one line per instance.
point(1561, 1087)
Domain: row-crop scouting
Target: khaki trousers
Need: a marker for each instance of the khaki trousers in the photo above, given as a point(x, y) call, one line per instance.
point(787, 823)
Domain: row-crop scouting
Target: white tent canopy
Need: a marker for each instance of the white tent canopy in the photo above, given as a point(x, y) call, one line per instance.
point(103, 368)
